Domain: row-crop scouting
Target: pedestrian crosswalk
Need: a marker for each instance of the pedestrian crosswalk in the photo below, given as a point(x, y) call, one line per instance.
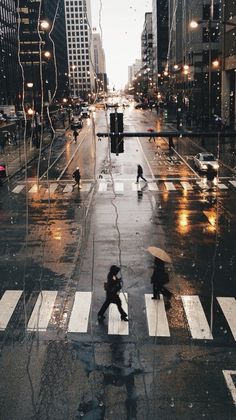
point(41, 316)
point(121, 187)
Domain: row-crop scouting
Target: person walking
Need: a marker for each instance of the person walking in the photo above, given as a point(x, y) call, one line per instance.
point(210, 174)
point(140, 173)
point(75, 135)
point(158, 279)
point(77, 177)
point(112, 287)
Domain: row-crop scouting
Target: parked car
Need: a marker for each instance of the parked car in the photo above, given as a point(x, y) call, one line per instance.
point(203, 160)
point(2, 119)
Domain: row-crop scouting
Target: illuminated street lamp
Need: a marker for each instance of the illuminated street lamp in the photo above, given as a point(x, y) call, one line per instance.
point(44, 24)
point(29, 84)
point(30, 112)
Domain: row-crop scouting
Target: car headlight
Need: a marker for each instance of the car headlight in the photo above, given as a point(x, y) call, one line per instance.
point(204, 166)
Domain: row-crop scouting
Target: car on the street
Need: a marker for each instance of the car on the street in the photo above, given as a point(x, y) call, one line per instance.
point(12, 117)
point(203, 160)
point(85, 112)
point(2, 119)
point(141, 106)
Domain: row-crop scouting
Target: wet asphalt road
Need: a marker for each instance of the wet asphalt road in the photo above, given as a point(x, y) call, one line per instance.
point(66, 242)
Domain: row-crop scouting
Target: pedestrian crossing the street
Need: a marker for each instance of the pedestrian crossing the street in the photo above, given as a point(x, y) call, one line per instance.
point(125, 186)
point(80, 315)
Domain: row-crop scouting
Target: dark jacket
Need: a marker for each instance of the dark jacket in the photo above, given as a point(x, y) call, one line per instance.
point(114, 284)
point(76, 175)
point(140, 170)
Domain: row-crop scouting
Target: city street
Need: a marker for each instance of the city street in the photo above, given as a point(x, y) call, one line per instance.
point(172, 360)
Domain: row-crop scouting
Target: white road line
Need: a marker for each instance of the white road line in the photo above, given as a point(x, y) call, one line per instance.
point(119, 187)
point(18, 189)
point(8, 304)
point(156, 317)
point(152, 186)
point(186, 185)
point(222, 186)
point(85, 187)
point(35, 188)
point(169, 186)
point(228, 306)
point(202, 184)
point(233, 183)
point(230, 383)
point(136, 187)
point(196, 318)
point(52, 188)
point(68, 188)
point(42, 312)
point(80, 313)
point(115, 325)
point(102, 186)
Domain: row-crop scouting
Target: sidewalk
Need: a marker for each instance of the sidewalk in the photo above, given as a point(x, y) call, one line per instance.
point(14, 155)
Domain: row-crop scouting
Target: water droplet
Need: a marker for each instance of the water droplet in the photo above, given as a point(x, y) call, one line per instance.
point(81, 414)
point(193, 264)
point(190, 405)
point(101, 404)
point(220, 267)
point(172, 404)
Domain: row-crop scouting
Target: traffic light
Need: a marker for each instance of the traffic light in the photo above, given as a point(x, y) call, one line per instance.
point(117, 126)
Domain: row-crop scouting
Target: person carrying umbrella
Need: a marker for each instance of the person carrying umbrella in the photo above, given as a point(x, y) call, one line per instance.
point(112, 287)
point(159, 276)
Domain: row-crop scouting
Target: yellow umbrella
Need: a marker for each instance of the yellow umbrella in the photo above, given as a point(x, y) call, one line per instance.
point(159, 253)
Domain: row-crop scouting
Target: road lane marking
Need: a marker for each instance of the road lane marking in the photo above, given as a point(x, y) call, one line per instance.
point(8, 304)
point(18, 189)
point(156, 317)
point(228, 306)
point(115, 325)
point(222, 186)
point(186, 185)
point(119, 187)
point(68, 188)
point(152, 186)
point(230, 383)
point(136, 187)
point(52, 188)
point(196, 318)
point(102, 186)
point(42, 311)
point(80, 313)
point(34, 189)
point(85, 187)
point(169, 186)
point(233, 183)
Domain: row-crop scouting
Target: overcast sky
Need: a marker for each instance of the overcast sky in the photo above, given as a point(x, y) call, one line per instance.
point(122, 23)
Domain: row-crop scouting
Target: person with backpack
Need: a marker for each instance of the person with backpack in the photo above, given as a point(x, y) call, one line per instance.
point(113, 287)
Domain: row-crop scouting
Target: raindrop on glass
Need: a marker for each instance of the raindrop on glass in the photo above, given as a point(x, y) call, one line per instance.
point(190, 405)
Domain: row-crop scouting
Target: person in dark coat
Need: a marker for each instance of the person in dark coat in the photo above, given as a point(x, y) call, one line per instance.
point(140, 173)
point(113, 286)
point(77, 177)
point(210, 174)
point(158, 279)
point(75, 135)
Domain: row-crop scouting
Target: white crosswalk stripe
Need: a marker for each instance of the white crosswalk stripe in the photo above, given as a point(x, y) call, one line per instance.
point(115, 325)
point(156, 317)
point(18, 189)
point(42, 311)
point(80, 313)
point(186, 185)
point(7, 306)
point(155, 312)
point(169, 186)
point(228, 306)
point(196, 318)
point(121, 187)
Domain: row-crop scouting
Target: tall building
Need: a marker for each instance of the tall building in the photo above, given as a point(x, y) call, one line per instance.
point(42, 32)
point(79, 45)
point(133, 70)
point(147, 54)
point(160, 36)
point(8, 53)
point(192, 53)
point(229, 64)
point(99, 64)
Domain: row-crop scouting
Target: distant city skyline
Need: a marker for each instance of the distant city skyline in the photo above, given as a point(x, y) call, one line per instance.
point(122, 25)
